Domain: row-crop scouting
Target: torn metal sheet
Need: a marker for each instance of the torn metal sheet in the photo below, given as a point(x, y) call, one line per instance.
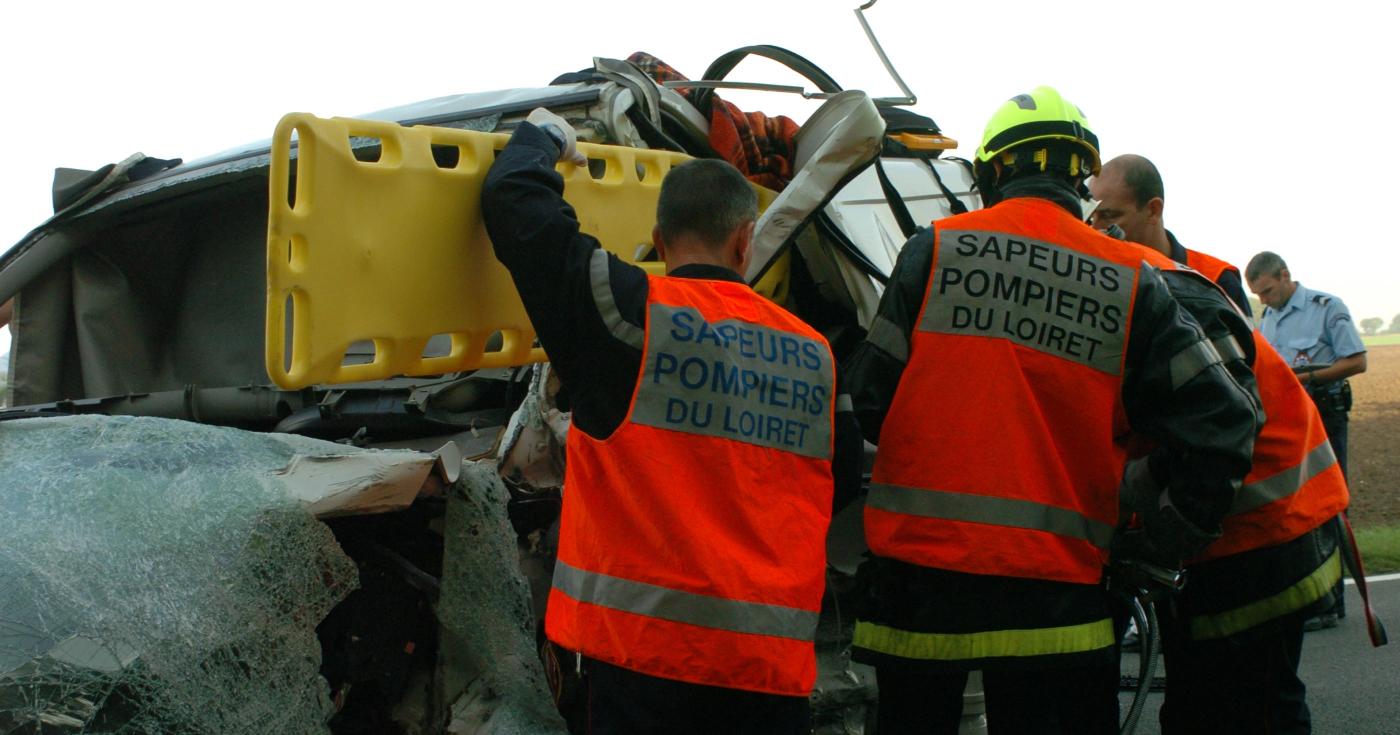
point(368, 481)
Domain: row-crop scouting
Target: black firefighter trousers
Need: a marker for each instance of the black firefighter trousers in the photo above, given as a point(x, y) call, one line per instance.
point(1059, 701)
point(618, 701)
point(1246, 686)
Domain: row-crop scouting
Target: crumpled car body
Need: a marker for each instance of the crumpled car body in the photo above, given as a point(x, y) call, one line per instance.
point(422, 509)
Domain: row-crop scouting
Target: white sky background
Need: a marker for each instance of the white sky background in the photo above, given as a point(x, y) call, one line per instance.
point(1266, 119)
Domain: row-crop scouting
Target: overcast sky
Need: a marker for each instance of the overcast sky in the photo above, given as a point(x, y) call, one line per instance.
point(1271, 122)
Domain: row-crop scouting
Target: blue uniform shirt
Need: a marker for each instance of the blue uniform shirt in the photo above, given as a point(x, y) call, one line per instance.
point(1313, 327)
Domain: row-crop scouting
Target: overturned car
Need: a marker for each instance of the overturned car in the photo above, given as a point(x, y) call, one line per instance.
point(192, 546)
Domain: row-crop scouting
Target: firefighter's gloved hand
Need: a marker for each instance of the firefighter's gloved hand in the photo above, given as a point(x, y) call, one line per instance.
point(1142, 579)
point(562, 133)
point(1144, 480)
point(1165, 540)
point(1135, 545)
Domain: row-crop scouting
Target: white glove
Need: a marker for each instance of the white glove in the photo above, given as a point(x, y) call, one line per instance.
point(562, 133)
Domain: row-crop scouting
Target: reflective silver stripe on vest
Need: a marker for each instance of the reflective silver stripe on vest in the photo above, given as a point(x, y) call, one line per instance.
point(1285, 483)
point(843, 403)
point(1036, 294)
point(736, 380)
point(889, 338)
point(1191, 362)
point(601, 278)
point(994, 511)
point(654, 601)
point(1229, 348)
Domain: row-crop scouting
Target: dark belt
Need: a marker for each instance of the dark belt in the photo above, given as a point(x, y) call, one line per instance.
point(1329, 401)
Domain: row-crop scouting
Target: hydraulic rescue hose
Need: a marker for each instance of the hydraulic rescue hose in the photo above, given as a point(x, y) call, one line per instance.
point(1140, 584)
point(1145, 616)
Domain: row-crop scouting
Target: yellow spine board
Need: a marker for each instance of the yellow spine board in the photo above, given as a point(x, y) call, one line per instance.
point(394, 250)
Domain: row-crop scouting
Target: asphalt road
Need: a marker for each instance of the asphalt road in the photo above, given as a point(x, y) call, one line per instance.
point(1353, 689)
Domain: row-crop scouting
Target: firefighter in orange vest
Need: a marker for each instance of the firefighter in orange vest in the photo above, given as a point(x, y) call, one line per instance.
point(1130, 195)
point(701, 463)
point(1015, 354)
point(1233, 636)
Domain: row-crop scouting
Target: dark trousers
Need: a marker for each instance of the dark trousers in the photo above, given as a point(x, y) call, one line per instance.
point(1235, 688)
point(1068, 701)
point(624, 702)
point(1335, 422)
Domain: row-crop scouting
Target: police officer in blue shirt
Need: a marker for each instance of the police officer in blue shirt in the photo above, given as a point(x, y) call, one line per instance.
point(1314, 333)
point(1310, 329)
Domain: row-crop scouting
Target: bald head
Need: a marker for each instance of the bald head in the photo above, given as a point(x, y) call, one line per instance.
point(1130, 194)
point(1139, 175)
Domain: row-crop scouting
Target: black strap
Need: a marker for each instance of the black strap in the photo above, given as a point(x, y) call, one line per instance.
point(830, 231)
point(955, 205)
point(659, 137)
point(896, 202)
point(1351, 557)
point(721, 67)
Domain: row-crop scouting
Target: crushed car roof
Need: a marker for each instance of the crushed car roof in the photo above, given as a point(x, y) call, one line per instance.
point(252, 160)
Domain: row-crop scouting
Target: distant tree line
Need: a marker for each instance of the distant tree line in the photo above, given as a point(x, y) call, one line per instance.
point(1372, 325)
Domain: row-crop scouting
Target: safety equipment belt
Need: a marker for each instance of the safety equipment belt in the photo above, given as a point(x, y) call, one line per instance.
point(1351, 556)
point(896, 202)
point(954, 203)
point(898, 207)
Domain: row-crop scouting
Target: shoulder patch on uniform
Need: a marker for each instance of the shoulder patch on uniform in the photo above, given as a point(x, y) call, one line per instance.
point(1322, 298)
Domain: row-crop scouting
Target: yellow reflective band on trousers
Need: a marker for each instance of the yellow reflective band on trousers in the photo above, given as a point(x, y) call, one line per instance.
point(989, 644)
point(1306, 591)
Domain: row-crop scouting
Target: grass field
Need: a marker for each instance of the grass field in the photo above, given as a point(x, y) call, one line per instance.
point(1380, 549)
point(1374, 461)
point(1376, 340)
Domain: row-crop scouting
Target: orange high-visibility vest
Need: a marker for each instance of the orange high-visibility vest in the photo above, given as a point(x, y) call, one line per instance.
point(1209, 266)
point(1295, 484)
point(692, 540)
point(1001, 453)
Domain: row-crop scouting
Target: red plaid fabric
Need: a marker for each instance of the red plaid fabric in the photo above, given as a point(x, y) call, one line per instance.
point(760, 146)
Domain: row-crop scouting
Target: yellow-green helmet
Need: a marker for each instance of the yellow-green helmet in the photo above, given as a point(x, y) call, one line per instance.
point(1041, 114)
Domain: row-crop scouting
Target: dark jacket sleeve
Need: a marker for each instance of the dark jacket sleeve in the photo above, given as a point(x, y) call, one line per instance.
point(1178, 392)
point(848, 452)
point(1234, 288)
point(536, 236)
point(873, 370)
point(1231, 334)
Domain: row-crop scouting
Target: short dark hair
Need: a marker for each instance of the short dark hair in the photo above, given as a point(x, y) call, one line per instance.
point(1264, 264)
point(707, 198)
point(1142, 178)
